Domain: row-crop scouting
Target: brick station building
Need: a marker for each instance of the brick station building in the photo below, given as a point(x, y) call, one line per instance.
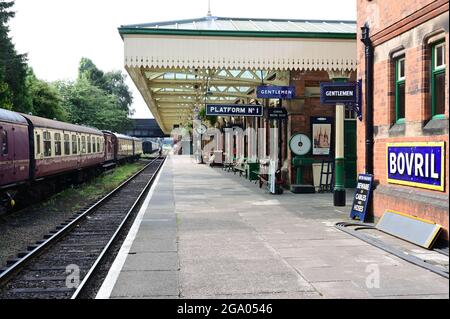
point(410, 99)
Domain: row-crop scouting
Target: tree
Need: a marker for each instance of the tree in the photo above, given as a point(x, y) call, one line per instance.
point(88, 70)
point(13, 67)
point(89, 105)
point(45, 98)
point(115, 84)
point(112, 82)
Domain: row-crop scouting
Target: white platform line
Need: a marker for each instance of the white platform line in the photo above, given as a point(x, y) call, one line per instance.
point(114, 272)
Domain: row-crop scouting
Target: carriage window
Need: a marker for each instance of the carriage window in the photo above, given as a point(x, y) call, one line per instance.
point(98, 144)
point(89, 144)
point(66, 144)
point(47, 144)
point(38, 144)
point(74, 145)
point(83, 144)
point(93, 145)
point(4, 142)
point(57, 144)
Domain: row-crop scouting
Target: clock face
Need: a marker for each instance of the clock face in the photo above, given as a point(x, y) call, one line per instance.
point(300, 144)
point(201, 129)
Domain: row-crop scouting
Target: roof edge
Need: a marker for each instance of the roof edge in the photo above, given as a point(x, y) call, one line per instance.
point(161, 23)
point(257, 34)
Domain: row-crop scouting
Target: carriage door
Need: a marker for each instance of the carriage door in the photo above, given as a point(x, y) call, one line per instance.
point(79, 150)
point(6, 149)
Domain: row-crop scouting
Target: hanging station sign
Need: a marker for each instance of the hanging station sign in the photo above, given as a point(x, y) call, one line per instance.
point(338, 92)
point(420, 164)
point(362, 196)
point(275, 92)
point(276, 113)
point(234, 110)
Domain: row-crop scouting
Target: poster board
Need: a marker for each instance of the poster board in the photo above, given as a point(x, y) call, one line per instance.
point(321, 128)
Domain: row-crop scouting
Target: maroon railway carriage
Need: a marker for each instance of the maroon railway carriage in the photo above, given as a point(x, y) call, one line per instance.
point(110, 148)
point(62, 147)
point(14, 149)
point(124, 147)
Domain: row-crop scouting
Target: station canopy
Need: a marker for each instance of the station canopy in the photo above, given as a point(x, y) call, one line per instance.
point(178, 66)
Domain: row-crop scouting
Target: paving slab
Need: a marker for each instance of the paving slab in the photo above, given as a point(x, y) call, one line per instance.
point(207, 233)
point(139, 284)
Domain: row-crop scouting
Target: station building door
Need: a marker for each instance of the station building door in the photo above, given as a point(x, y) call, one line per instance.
point(350, 148)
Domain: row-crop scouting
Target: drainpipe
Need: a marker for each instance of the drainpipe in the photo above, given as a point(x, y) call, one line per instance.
point(368, 97)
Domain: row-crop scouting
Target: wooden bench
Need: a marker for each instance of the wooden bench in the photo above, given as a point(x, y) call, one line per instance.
point(240, 167)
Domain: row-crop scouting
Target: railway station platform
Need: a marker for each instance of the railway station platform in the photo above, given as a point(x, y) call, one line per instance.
point(206, 233)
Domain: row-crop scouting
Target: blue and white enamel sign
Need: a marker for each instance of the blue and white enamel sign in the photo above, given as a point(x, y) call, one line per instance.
point(338, 92)
point(275, 92)
point(420, 164)
point(234, 110)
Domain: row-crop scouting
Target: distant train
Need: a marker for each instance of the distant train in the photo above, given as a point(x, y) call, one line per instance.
point(35, 149)
point(150, 147)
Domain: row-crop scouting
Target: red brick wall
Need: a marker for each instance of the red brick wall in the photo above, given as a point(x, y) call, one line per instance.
point(302, 110)
point(382, 14)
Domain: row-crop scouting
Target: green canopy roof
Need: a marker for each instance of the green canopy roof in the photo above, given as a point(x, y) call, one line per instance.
point(244, 26)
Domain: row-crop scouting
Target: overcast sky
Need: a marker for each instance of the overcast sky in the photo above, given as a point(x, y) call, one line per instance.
point(57, 33)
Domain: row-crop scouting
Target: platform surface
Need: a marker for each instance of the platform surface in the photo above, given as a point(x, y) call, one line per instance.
point(207, 233)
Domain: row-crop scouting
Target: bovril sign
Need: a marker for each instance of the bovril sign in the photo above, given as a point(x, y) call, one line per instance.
point(420, 164)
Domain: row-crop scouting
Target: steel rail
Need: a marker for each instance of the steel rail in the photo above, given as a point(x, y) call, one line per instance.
point(12, 270)
point(88, 275)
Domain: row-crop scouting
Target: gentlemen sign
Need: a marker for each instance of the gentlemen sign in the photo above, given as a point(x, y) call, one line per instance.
point(362, 195)
point(339, 92)
point(275, 92)
point(420, 164)
point(234, 110)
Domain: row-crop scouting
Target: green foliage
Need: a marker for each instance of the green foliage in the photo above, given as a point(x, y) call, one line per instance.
point(112, 82)
point(5, 96)
point(45, 98)
point(89, 105)
point(96, 98)
point(13, 67)
point(115, 85)
point(211, 119)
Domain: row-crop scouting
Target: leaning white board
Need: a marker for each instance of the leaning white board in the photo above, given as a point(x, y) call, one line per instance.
point(415, 230)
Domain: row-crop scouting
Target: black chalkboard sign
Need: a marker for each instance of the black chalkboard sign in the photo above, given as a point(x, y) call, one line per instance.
point(362, 196)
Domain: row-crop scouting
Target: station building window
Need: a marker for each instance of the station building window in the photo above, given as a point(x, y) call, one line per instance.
point(66, 144)
point(438, 67)
point(400, 90)
point(4, 137)
point(47, 137)
point(350, 114)
point(58, 144)
point(74, 145)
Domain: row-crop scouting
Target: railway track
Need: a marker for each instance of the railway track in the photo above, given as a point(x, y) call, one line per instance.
point(61, 265)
